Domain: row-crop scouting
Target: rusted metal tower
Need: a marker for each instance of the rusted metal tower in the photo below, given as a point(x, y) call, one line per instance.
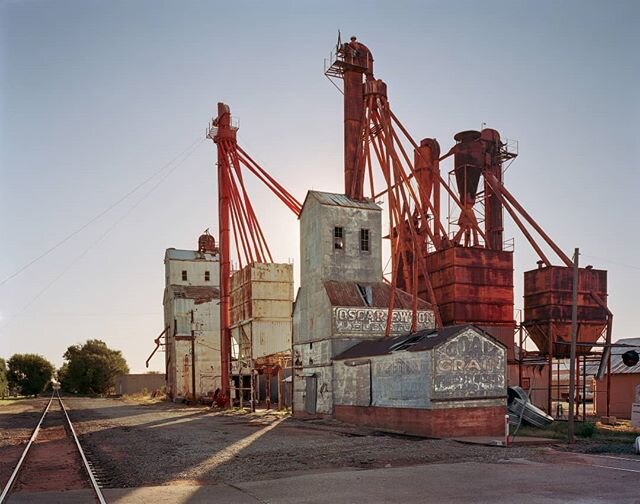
point(237, 223)
point(466, 274)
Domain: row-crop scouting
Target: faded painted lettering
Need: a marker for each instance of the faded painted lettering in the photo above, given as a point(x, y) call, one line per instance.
point(374, 320)
point(468, 366)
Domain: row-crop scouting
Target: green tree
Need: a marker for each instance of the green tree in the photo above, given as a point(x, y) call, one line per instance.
point(91, 368)
point(29, 374)
point(4, 383)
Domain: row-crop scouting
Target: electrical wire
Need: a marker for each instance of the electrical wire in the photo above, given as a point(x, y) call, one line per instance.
point(98, 216)
point(77, 259)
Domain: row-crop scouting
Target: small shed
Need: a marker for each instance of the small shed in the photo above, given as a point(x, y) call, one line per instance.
point(624, 380)
point(139, 383)
point(436, 382)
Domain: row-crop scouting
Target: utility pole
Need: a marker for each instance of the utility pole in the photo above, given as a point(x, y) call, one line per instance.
point(572, 363)
point(193, 359)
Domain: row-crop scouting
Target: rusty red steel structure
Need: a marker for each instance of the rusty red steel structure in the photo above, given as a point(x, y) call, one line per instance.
point(466, 275)
point(237, 219)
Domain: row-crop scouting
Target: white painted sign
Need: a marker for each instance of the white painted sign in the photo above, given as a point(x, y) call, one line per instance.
point(469, 366)
point(374, 320)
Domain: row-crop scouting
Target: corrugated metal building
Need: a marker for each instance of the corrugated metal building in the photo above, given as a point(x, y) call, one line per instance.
point(261, 301)
point(342, 299)
point(261, 304)
point(441, 383)
point(139, 383)
point(624, 380)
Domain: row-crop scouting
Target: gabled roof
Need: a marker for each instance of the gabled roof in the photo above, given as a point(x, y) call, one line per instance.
point(348, 294)
point(619, 367)
point(333, 199)
point(416, 342)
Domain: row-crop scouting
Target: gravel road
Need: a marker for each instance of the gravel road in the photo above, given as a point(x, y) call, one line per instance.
point(139, 445)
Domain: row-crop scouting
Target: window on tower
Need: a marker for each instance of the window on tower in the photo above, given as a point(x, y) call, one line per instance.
point(364, 240)
point(338, 238)
point(206, 276)
point(184, 275)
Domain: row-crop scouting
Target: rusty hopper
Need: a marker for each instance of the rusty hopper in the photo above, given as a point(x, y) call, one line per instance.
point(547, 308)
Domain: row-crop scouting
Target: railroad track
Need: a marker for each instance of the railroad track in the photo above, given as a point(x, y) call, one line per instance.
point(70, 431)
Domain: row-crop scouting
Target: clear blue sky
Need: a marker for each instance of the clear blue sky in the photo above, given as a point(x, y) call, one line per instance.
point(98, 96)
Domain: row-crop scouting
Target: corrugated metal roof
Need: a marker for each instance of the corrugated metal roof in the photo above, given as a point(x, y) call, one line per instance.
point(617, 366)
point(333, 199)
point(188, 255)
point(419, 341)
point(348, 294)
point(200, 294)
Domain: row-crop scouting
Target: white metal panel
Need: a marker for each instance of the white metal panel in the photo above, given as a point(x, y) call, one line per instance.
point(271, 309)
point(270, 337)
point(272, 290)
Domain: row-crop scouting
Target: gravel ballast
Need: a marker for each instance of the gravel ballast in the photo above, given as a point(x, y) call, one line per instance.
point(141, 445)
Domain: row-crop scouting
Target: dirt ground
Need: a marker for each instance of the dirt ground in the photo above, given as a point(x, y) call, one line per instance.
point(53, 461)
point(17, 421)
point(137, 448)
point(132, 444)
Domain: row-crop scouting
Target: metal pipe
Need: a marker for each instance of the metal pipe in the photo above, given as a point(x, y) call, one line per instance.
point(285, 196)
point(550, 371)
point(279, 388)
point(606, 355)
point(534, 224)
point(572, 363)
point(521, 352)
point(609, 329)
point(495, 187)
point(193, 359)
point(584, 387)
point(224, 130)
point(157, 342)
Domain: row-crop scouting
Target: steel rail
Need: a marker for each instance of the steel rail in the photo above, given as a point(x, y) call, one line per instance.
point(14, 474)
point(85, 462)
point(34, 435)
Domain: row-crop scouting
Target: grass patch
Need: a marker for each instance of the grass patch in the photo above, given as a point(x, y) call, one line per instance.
point(145, 398)
point(7, 401)
point(621, 434)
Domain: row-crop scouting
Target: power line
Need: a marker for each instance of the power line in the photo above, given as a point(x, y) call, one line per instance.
point(191, 150)
point(98, 216)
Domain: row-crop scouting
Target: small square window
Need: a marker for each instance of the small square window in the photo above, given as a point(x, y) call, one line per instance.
point(338, 238)
point(206, 276)
point(364, 240)
point(184, 275)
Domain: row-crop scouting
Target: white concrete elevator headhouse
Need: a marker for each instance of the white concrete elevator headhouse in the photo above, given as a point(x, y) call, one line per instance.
point(192, 320)
point(343, 299)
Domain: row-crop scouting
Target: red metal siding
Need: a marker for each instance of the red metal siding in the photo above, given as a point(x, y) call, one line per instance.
point(623, 390)
point(346, 294)
point(547, 307)
point(442, 423)
point(475, 285)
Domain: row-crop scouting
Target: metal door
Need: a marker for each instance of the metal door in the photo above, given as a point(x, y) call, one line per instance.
point(311, 394)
